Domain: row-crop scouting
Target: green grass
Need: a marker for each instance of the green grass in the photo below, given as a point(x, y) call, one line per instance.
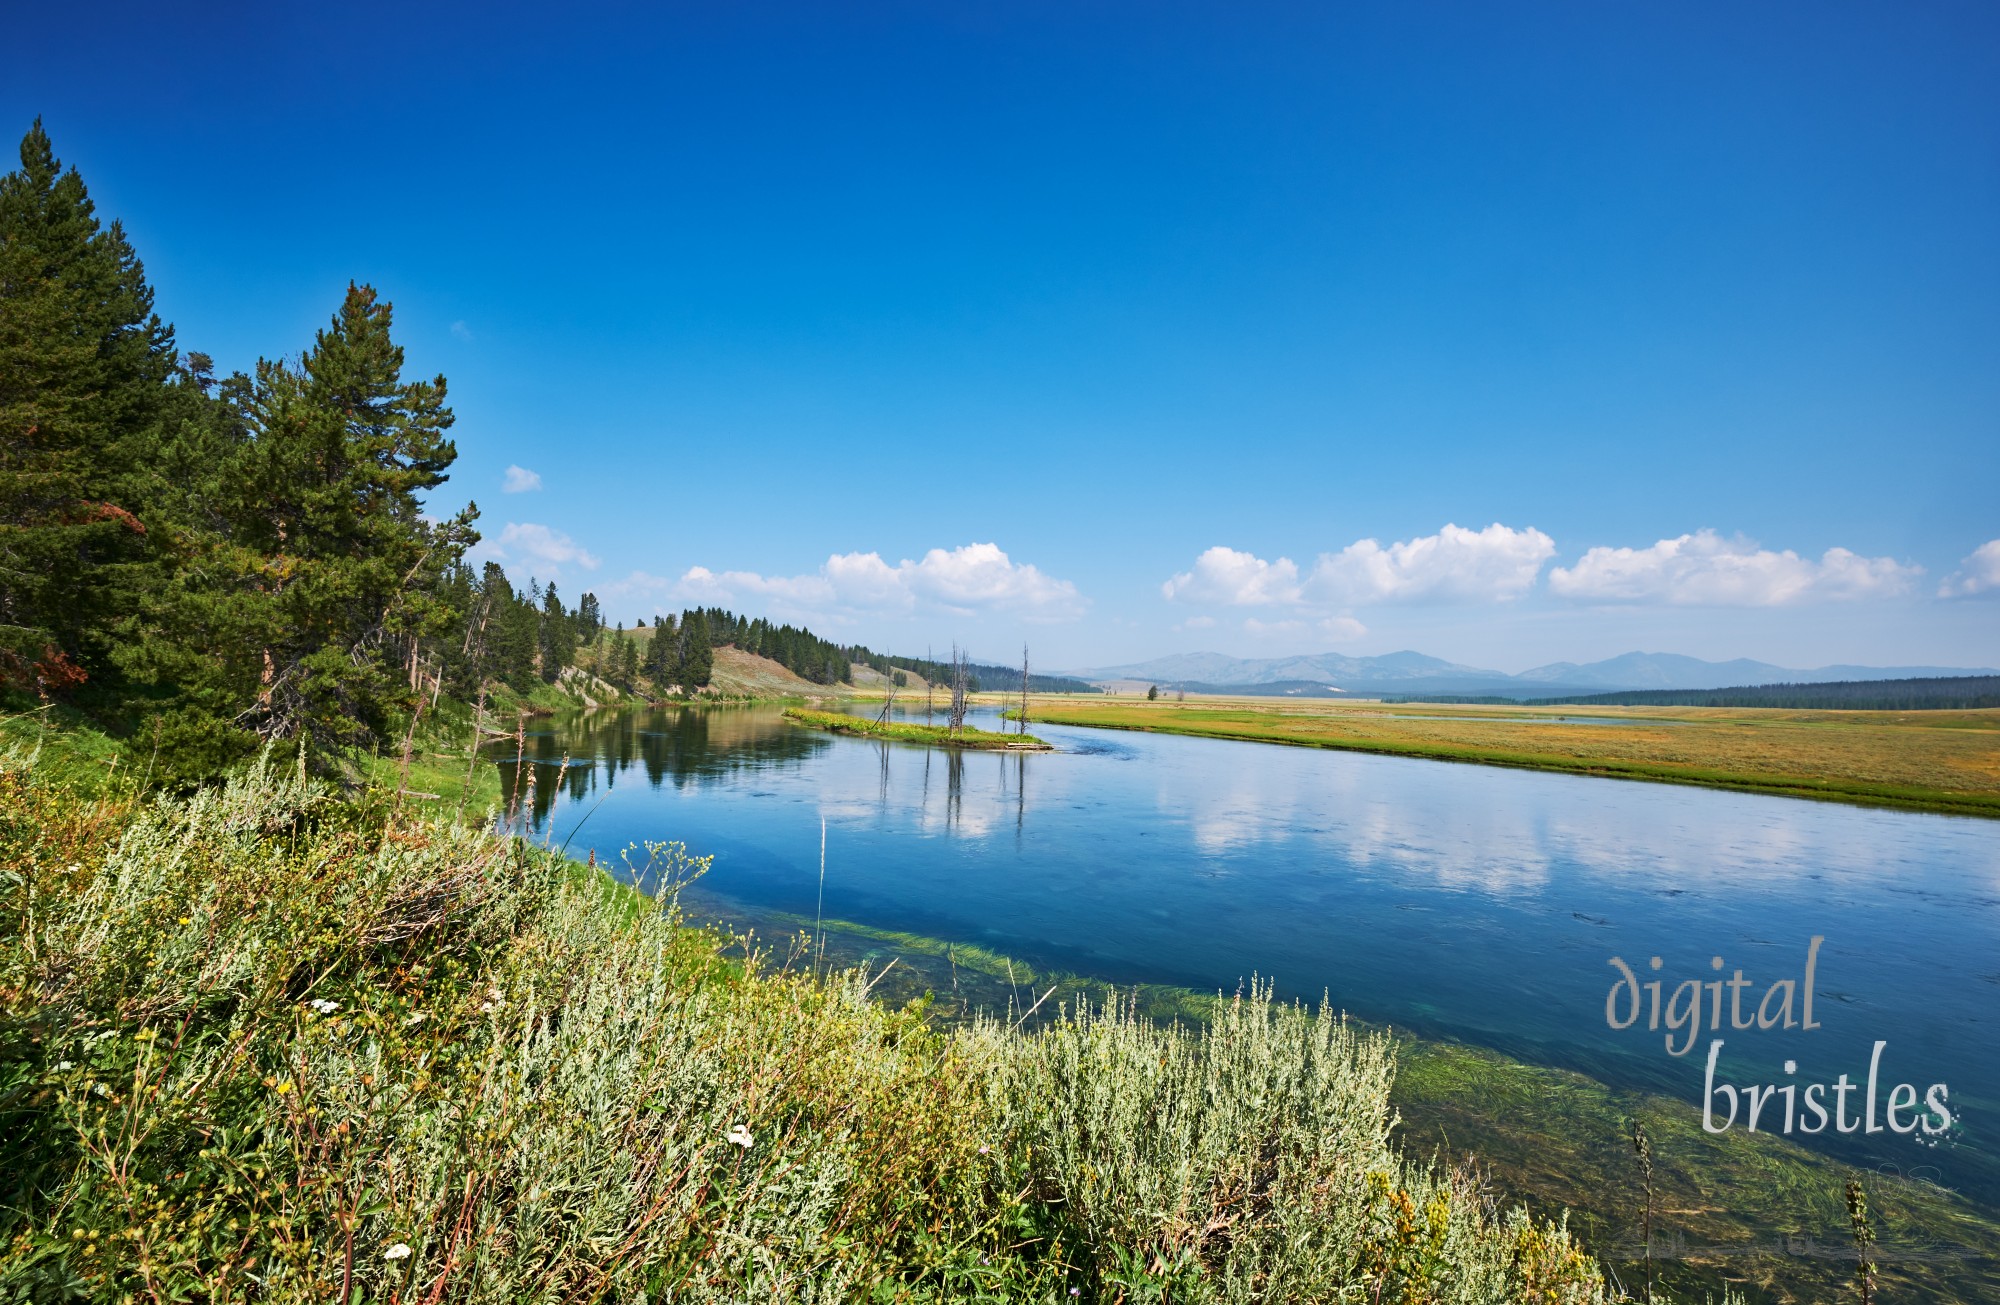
point(1862, 758)
point(265, 1043)
point(906, 732)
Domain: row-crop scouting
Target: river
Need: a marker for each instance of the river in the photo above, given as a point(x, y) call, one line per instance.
point(1457, 902)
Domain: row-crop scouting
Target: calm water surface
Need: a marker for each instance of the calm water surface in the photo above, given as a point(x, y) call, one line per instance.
point(1455, 901)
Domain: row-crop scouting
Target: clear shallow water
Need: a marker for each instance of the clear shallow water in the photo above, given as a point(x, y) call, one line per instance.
point(1455, 901)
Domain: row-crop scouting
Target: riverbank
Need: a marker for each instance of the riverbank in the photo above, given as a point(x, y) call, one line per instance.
point(266, 1040)
point(1557, 1139)
point(1947, 761)
point(908, 732)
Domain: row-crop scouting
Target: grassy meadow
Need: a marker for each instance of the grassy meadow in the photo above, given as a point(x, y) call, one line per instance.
point(1947, 761)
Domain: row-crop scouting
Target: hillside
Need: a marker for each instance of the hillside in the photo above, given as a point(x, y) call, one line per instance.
point(741, 674)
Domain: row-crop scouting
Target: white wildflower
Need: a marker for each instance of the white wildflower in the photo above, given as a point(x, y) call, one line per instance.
point(65, 1065)
point(323, 1006)
point(415, 1020)
point(742, 1136)
point(400, 1251)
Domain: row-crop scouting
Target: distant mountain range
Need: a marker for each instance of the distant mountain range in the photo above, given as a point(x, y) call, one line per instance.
point(1412, 672)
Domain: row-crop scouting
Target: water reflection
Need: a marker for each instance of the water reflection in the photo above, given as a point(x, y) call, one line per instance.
point(581, 755)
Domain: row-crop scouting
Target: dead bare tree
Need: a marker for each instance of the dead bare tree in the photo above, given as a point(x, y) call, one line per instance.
point(1022, 724)
point(930, 674)
point(888, 703)
point(961, 675)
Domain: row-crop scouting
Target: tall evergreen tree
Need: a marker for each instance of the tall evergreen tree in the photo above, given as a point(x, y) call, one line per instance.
point(697, 654)
point(341, 448)
point(84, 364)
point(663, 654)
point(558, 636)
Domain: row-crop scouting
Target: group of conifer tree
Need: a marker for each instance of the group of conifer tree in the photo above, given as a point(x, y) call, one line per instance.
point(212, 562)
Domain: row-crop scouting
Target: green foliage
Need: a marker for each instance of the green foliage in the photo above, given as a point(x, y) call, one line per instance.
point(84, 365)
point(258, 1041)
point(205, 565)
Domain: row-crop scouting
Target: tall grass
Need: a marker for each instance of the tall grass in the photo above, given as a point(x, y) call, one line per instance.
point(264, 1044)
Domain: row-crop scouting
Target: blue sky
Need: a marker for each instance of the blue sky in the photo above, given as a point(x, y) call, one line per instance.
point(1129, 329)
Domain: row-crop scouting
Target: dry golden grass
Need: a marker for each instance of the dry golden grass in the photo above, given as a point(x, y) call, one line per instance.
point(1945, 760)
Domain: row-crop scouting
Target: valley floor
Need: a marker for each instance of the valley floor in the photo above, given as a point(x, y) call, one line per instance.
point(1944, 761)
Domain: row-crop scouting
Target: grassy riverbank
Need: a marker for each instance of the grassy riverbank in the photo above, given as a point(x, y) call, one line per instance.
point(268, 1043)
point(909, 732)
point(1750, 1210)
point(1944, 761)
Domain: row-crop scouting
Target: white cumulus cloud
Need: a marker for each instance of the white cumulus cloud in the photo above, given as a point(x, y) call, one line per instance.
point(1223, 575)
point(520, 480)
point(546, 551)
point(1705, 569)
point(1454, 565)
point(1978, 574)
point(965, 580)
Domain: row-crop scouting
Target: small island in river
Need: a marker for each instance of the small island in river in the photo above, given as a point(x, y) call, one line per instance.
point(907, 732)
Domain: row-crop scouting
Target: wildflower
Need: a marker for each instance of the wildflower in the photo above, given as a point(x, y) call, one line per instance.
point(414, 1020)
point(323, 1006)
point(64, 1065)
point(984, 1149)
point(400, 1251)
point(741, 1136)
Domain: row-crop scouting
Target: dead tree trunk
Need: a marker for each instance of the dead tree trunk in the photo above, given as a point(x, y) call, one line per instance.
point(1023, 724)
point(961, 674)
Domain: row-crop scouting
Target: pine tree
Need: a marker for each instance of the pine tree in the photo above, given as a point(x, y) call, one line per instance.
point(84, 366)
point(663, 655)
point(626, 661)
point(342, 447)
point(558, 636)
point(697, 656)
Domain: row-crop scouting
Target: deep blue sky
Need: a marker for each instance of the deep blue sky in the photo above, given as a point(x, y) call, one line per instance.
point(1107, 286)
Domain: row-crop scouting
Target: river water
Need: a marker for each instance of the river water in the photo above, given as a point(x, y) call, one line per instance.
point(1454, 901)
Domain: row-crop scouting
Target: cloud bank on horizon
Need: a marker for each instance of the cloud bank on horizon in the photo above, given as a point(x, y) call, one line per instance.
point(1501, 564)
point(1454, 565)
point(971, 579)
point(1457, 568)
